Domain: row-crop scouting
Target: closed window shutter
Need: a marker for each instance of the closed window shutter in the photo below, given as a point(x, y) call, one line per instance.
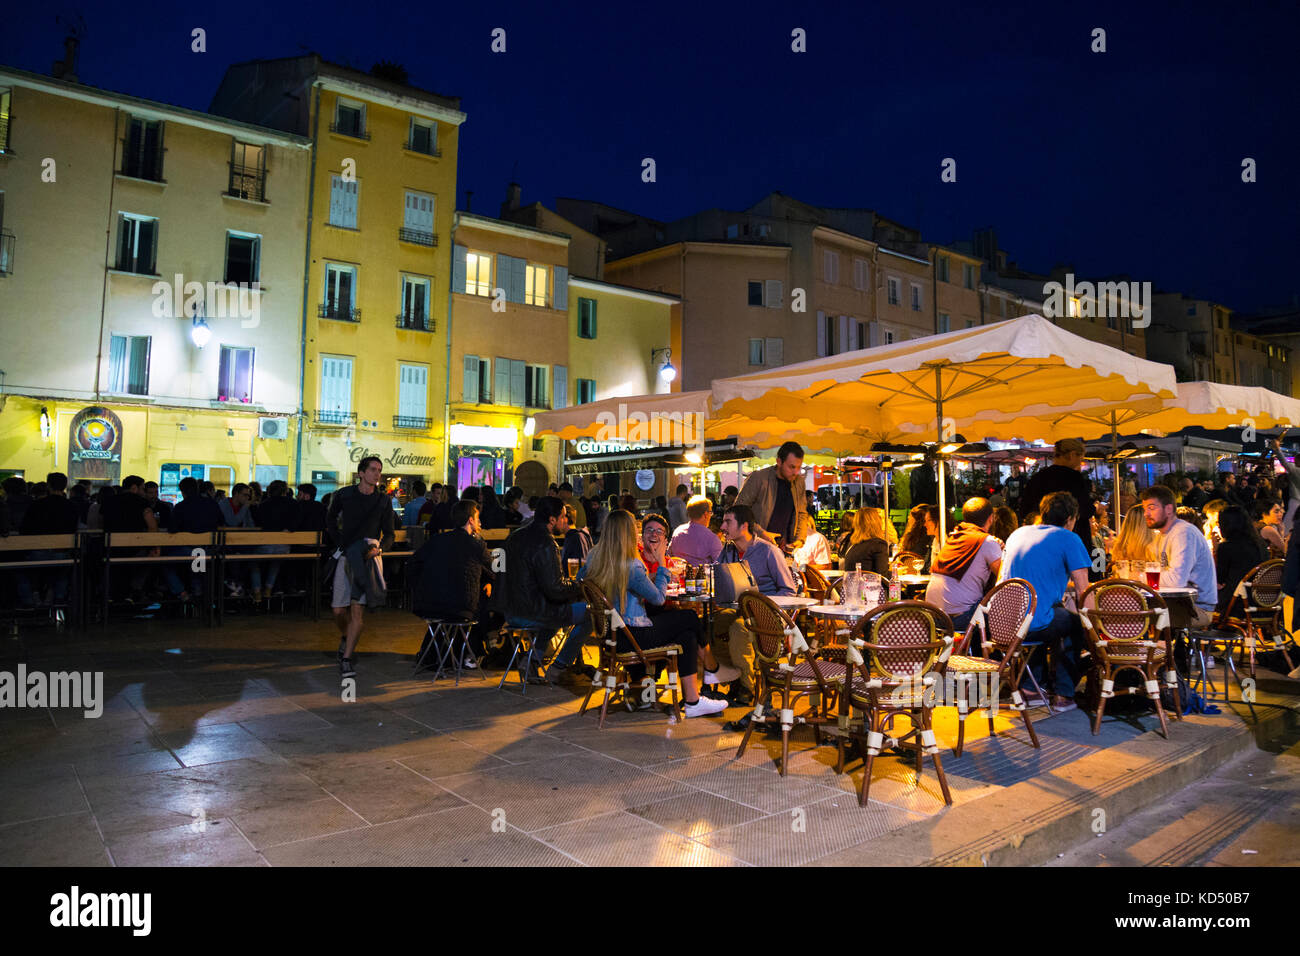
point(875, 335)
point(505, 277)
point(117, 364)
point(502, 396)
point(775, 352)
point(469, 387)
point(842, 341)
point(519, 277)
point(419, 391)
point(561, 294)
point(459, 268)
point(821, 334)
point(343, 380)
point(774, 294)
point(518, 394)
point(559, 387)
point(336, 199)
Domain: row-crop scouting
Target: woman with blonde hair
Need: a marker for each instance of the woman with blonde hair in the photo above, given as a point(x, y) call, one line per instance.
point(1212, 510)
point(1135, 541)
point(867, 545)
point(615, 567)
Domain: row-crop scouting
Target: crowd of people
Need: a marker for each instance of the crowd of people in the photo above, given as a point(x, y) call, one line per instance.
point(1051, 530)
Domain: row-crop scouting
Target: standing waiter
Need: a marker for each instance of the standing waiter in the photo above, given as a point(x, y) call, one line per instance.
point(776, 496)
point(1063, 474)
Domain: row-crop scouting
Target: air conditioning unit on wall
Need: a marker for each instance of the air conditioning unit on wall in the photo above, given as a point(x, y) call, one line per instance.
point(277, 428)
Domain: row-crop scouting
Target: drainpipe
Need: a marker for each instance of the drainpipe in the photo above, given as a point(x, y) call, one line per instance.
point(108, 251)
point(934, 285)
point(306, 283)
point(446, 402)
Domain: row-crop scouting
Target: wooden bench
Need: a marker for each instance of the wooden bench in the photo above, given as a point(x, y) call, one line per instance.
point(50, 544)
point(205, 544)
point(253, 538)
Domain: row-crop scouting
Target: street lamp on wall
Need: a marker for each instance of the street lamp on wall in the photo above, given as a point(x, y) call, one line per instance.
point(199, 332)
point(46, 427)
point(666, 371)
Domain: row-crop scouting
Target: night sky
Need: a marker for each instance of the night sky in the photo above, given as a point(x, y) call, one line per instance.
point(1127, 161)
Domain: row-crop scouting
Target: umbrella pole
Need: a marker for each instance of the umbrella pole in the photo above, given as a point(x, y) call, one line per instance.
point(1114, 471)
point(938, 410)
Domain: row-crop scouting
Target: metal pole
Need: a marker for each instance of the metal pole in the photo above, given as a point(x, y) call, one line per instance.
point(1114, 471)
point(938, 404)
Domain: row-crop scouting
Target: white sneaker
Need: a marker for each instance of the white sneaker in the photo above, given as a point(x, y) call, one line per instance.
point(725, 674)
point(705, 707)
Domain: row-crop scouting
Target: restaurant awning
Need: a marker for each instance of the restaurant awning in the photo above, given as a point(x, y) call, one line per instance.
point(635, 459)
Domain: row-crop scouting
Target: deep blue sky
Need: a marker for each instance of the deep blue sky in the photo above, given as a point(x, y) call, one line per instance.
point(1127, 161)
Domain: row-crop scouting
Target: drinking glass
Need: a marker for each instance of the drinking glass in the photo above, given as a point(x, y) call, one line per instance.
point(1153, 574)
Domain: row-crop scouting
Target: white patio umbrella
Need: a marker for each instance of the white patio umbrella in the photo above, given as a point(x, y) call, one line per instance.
point(969, 381)
point(1206, 404)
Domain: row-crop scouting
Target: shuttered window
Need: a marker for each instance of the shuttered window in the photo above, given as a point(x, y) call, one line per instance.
point(412, 395)
point(343, 202)
point(335, 388)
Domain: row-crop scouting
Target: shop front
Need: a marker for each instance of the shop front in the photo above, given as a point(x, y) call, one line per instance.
point(103, 443)
point(647, 471)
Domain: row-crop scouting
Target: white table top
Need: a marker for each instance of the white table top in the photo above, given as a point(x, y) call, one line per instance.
point(1187, 592)
point(830, 574)
point(841, 610)
point(914, 578)
point(792, 600)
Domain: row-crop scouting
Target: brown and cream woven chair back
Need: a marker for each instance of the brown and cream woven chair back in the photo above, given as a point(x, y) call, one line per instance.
point(1005, 610)
point(902, 638)
point(815, 583)
point(1266, 585)
point(768, 624)
point(598, 605)
point(1123, 606)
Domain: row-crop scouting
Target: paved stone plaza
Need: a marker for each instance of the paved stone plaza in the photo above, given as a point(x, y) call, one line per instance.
point(231, 746)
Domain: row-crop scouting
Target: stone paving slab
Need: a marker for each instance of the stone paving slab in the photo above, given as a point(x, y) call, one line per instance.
point(232, 746)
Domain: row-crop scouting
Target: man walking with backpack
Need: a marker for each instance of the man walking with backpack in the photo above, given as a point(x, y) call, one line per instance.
point(360, 525)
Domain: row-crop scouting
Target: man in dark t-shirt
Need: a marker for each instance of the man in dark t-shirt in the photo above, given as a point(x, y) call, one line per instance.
point(1063, 475)
point(53, 514)
point(129, 511)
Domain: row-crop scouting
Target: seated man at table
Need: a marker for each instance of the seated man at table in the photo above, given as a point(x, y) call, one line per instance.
point(693, 542)
point(968, 563)
point(449, 571)
point(1049, 555)
point(771, 575)
point(1184, 553)
point(535, 593)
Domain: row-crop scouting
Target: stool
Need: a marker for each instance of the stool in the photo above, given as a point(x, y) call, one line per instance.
point(442, 641)
point(527, 640)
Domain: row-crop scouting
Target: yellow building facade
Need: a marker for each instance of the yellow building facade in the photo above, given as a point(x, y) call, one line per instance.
point(375, 327)
point(151, 293)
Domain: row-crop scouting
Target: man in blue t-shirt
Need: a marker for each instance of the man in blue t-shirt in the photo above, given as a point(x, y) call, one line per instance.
point(1049, 555)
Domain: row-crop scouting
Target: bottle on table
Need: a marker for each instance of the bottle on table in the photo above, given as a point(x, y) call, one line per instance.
point(895, 585)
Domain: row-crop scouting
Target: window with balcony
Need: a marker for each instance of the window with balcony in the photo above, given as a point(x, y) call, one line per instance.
point(412, 396)
point(247, 171)
point(535, 281)
point(137, 244)
point(335, 391)
point(235, 375)
point(416, 295)
point(243, 257)
point(423, 137)
point(350, 119)
point(340, 293)
point(128, 364)
point(142, 149)
point(417, 220)
point(586, 318)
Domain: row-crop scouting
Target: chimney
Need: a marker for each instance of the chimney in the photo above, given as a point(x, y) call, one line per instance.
point(513, 193)
point(66, 69)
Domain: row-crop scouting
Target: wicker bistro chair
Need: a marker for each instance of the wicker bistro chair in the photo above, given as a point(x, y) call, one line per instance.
point(1126, 631)
point(1119, 594)
point(1255, 612)
point(1003, 620)
point(815, 583)
point(910, 647)
point(612, 673)
point(787, 668)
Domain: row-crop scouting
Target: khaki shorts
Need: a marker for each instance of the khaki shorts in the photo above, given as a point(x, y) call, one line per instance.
point(342, 596)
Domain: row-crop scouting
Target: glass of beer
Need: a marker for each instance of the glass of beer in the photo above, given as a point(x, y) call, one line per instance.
point(1153, 574)
point(573, 567)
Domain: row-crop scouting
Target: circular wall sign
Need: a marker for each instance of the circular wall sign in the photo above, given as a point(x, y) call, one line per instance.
point(645, 479)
